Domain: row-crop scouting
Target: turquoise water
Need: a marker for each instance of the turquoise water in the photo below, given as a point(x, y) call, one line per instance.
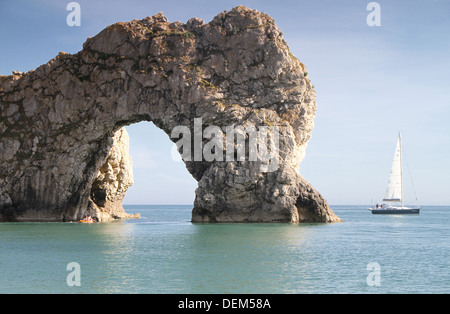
point(164, 253)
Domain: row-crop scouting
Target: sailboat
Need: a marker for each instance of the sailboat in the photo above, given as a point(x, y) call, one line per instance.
point(393, 199)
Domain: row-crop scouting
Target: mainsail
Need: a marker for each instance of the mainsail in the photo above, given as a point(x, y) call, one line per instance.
point(394, 190)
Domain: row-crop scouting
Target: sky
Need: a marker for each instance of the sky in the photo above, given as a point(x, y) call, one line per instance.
point(371, 83)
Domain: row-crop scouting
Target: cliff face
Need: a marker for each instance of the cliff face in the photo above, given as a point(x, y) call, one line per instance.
point(61, 123)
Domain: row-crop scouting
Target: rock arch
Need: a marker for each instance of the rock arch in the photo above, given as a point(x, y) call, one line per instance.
point(60, 121)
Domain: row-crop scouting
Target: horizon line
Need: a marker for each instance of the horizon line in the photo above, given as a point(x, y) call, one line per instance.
point(329, 205)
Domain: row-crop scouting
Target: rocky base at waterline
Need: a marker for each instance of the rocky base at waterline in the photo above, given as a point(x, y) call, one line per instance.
point(62, 151)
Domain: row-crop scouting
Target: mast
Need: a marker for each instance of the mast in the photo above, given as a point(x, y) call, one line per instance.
point(401, 166)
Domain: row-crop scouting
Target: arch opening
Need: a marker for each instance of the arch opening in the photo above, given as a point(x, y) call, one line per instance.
point(143, 168)
point(160, 177)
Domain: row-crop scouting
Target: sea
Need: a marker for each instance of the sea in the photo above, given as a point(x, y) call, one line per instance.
point(164, 253)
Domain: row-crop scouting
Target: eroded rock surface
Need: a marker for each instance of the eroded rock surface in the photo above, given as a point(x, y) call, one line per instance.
point(113, 180)
point(58, 122)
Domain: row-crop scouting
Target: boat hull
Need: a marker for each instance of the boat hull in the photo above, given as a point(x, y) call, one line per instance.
point(409, 211)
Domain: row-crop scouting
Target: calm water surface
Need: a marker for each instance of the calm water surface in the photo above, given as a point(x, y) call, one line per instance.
point(164, 253)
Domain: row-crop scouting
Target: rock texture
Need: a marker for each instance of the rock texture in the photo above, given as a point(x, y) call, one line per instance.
point(113, 180)
point(59, 123)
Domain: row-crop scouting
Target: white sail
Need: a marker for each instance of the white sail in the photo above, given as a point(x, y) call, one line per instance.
point(394, 189)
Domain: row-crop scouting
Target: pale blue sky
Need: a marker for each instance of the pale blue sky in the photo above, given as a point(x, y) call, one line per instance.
point(371, 82)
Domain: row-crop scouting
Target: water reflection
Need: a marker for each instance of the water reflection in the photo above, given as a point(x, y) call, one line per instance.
point(110, 268)
point(247, 258)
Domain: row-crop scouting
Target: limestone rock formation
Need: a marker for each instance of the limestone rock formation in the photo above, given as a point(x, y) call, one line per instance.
point(113, 180)
point(58, 122)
